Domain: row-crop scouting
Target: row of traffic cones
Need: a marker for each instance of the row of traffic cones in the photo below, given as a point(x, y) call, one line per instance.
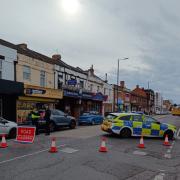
point(166, 142)
point(103, 147)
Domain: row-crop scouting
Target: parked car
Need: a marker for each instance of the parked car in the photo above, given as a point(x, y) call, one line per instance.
point(8, 128)
point(131, 124)
point(90, 118)
point(58, 119)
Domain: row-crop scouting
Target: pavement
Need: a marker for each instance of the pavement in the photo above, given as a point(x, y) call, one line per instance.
point(78, 157)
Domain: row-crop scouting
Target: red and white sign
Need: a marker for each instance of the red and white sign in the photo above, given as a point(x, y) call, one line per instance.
point(25, 134)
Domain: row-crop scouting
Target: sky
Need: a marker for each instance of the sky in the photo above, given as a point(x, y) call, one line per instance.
point(100, 32)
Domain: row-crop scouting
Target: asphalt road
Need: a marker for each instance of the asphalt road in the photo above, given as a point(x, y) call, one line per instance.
point(78, 157)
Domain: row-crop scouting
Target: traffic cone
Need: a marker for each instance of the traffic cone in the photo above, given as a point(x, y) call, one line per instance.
point(166, 142)
point(3, 142)
point(103, 147)
point(53, 148)
point(141, 143)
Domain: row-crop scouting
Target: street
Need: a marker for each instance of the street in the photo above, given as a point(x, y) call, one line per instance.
point(78, 157)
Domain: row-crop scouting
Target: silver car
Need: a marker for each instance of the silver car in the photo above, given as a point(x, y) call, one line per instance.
point(8, 128)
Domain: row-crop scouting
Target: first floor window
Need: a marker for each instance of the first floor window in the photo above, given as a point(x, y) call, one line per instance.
point(42, 78)
point(26, 73)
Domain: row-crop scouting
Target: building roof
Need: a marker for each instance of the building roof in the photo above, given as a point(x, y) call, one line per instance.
point(33, 54)
point(139, 92)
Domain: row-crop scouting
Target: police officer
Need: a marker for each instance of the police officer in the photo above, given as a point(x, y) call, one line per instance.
point(35, 119)
point(47, 119)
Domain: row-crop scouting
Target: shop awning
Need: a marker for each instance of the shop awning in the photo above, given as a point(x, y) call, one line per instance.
point(37, 99)
point(11, 87)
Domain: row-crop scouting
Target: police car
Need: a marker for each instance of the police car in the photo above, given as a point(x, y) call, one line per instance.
point(131, 124)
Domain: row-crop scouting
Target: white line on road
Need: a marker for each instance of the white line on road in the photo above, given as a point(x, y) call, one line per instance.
point(168, 156)
point(159, 176)
point(27, 155)
point(178, 132)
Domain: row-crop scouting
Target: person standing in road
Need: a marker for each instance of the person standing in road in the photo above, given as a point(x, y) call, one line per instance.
point(35, 119)
point(47, 118)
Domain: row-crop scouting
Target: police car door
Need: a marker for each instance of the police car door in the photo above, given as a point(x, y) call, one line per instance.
point(152, 126)
point(137, 124)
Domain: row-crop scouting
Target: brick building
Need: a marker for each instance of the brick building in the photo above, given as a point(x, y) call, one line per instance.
point(138, 99)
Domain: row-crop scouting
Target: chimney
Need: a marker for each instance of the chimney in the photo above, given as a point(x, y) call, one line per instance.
point(106, 78)
point(56, 57)
point(137, 86)
point(23, 46)
point(122, 84)
point(91, 71)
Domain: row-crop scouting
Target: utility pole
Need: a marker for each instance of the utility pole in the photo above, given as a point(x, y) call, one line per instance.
point(117, 84)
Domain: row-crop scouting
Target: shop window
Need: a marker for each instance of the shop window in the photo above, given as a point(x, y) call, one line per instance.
point(43, 78)
point(26, 73)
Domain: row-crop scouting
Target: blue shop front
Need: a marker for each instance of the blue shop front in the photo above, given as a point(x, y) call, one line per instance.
point(75, 102)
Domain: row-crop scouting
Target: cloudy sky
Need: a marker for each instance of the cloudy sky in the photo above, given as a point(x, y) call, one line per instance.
point(98, 32)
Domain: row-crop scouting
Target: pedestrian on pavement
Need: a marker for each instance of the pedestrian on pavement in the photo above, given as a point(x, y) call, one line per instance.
point(47, 118)
point(35, 119)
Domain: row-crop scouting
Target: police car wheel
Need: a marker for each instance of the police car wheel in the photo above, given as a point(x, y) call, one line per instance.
point(125, 133)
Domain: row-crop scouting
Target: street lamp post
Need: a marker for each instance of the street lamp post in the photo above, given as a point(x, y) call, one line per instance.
point(126, 58)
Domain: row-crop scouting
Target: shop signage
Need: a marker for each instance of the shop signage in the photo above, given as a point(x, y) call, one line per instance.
point(25, 134)
point(43, 92)
point(98, 97)
point(71, 93)
point(72, 82)
point(35, 91)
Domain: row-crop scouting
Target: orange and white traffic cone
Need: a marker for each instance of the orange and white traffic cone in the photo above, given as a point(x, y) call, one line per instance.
point(53, 148)
point(103, 147)
point(3, 142)
point(141, 143)
point(166, 142)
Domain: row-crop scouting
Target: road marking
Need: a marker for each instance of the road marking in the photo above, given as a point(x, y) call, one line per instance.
point(27, 155)
point(141, 153)
point(168, 156)
point(178, 132)
point(69, 150)
point(169, 151)
point(159, 176)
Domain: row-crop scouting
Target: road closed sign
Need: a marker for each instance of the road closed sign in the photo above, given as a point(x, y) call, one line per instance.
point(25, 134)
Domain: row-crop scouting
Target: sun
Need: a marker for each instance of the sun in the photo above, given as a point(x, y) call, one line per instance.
point(70, 6)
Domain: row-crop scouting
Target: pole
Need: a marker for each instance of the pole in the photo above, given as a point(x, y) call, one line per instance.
point(117, 84)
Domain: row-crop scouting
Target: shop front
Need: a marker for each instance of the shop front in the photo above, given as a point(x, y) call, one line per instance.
point(77, 102)
point(35, 98)
point(9, 92)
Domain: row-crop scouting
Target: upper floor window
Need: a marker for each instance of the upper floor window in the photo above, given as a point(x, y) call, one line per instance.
point(81, 84)
point(98, 88)
point(26, 73)
point(91, 87)
point(43, 78)
point(104, 90)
